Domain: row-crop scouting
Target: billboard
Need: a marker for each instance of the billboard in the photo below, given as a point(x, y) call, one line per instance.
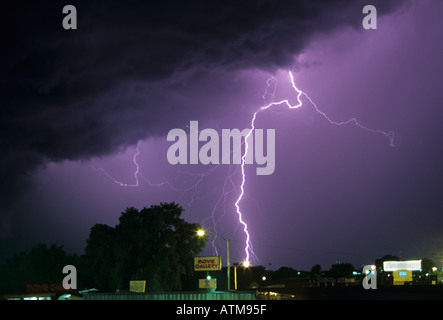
point(207, 263)
point(402, 276)
point(137, 285)
point(207, 284)
point(411, 265)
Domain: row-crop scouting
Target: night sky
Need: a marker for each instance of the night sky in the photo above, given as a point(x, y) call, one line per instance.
point(75, 104)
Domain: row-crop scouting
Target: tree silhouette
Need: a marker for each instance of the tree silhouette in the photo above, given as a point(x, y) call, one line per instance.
point(341, 270)
point(285, 273)
point(315, 271)
point(152, 244)
point(41, 265)
point(427, 265)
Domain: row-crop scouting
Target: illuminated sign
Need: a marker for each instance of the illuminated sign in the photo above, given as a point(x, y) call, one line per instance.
point(207, 263)
point(411, 265)
point(402, 276)
point(137, 285)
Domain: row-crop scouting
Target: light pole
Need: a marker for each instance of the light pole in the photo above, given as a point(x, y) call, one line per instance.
point(201, 233)
point(245, 264)
point(235, 276)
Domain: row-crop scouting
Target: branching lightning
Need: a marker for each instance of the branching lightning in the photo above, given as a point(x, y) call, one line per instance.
point(136, 173)
point(389, 135)
point(271, 86)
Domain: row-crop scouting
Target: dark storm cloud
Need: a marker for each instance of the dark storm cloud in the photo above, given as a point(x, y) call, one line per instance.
point(72, 94)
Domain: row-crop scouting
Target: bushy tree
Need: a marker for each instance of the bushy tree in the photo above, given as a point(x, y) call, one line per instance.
point(41, 265)
point(153, 244)
point(341, 270)
point(315, 271)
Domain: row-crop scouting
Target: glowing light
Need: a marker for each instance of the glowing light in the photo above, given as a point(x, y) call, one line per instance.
point(269, 92)
point(412, 265)
point(272, 81)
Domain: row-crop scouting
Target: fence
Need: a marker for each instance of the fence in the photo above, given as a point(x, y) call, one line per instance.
point(221, 295)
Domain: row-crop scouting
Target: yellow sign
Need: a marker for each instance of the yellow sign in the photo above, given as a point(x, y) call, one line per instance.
point(137, 285)
point(402, 276)
point(207, 284)
point(207, 263)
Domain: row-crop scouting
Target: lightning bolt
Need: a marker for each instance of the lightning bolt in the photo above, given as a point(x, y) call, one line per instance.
point(270, 91)
point(136, 173)
point(272, 81)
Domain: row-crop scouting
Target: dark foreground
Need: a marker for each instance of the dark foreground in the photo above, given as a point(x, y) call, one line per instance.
point(359, 293)
point(315, 301)
point(299, 293)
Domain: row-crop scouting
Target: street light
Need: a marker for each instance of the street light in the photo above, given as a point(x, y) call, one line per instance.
point(201, 233)
point(245, 264)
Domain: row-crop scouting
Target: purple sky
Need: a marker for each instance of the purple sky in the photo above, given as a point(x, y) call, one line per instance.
point(338, 193)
